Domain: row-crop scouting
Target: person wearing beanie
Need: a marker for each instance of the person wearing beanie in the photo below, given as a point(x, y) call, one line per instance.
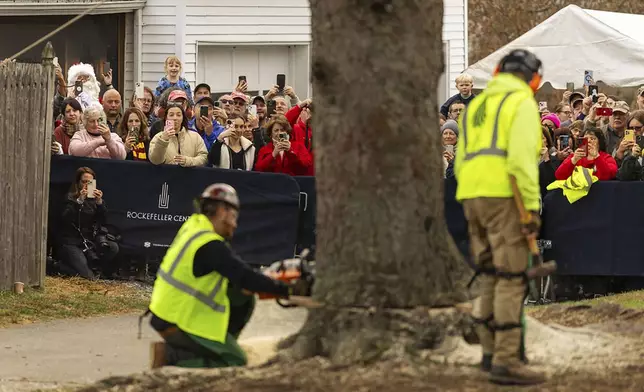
point(552, 122)
point(451, 125)
point(449, 135)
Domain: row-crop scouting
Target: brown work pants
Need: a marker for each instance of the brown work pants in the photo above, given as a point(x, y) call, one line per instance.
point(497, 241)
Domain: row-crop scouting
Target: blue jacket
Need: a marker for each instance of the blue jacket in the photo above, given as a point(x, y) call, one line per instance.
point(209, 140)
point(165, 84)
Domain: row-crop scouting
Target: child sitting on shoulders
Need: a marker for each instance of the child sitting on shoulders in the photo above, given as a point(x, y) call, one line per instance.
point(172, 68)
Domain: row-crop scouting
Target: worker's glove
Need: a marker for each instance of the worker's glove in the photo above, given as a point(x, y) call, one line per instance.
point(531, 226)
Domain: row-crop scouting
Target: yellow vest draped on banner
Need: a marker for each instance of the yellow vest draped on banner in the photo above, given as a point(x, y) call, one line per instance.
point(577, 185)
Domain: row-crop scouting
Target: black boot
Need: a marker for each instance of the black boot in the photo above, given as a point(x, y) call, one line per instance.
point(522, 355)
point(486, 363)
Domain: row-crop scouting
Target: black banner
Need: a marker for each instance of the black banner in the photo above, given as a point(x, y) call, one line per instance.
point(148, 204)
point(601, 234)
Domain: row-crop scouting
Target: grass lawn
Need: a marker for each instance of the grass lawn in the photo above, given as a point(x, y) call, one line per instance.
point(71, 298)
point(630, 300)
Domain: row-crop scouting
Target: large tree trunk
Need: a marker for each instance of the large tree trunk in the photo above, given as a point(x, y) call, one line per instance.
point(383, 245)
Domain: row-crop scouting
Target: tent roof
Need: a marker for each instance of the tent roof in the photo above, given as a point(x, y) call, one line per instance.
point(573, 40)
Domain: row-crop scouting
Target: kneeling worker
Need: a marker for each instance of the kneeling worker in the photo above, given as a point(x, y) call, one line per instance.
point(190, 305)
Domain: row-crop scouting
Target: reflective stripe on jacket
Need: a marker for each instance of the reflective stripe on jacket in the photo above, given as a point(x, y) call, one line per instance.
point(199, 306)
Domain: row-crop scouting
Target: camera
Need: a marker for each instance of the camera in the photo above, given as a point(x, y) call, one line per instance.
point(89, 252)
point(103, 237)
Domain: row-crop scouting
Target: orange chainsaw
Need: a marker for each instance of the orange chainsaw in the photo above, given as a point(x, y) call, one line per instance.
point(298, 272)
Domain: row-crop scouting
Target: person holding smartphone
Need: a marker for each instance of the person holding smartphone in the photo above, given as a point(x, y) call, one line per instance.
point(96, 140)
point(631, 167)
point(233, 150)
point(205, 121)
point(283, 154)
point(134, 130)
point(176, 145)
point(76, 246)
point(591, 153)
point(449, 136)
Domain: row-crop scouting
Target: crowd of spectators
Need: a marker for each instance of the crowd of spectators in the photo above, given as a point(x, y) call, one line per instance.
point(172, 125)
point(597, 131)
point(169, 125)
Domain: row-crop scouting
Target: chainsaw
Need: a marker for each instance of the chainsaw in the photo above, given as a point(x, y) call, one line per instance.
point(298, 273)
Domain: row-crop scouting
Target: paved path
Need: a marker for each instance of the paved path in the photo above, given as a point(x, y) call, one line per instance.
point(81, 351)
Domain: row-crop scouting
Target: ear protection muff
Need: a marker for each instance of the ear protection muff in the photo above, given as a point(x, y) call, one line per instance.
point(535, 82)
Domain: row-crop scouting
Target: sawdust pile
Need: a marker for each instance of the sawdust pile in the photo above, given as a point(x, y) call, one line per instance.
point(585, 359)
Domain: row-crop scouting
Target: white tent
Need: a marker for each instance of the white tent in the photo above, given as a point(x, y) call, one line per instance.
point(573, 40)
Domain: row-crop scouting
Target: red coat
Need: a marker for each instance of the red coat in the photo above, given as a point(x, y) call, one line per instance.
point(301, 132)
point(296, 162)
point(61, 137)
point(604, 166)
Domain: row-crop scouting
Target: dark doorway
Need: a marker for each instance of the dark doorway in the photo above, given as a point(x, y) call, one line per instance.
point(93, 39)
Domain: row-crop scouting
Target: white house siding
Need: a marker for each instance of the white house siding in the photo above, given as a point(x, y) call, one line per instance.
point(157, 39)
point(128, 85)
point(243, 22)
point(238, 22)
point(455, 33)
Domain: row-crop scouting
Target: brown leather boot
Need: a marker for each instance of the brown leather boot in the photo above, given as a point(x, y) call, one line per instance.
point(157, 355)
point(518, 374)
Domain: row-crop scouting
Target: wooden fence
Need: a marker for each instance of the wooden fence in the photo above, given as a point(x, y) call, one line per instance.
point(26, 124)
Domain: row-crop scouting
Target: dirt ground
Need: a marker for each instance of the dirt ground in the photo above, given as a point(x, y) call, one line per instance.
point(596, 348)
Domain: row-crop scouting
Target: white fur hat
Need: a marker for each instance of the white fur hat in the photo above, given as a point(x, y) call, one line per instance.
point(80, 69)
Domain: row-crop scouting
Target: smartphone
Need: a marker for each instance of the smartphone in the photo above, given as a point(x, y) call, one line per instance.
point(564, 142)
point(570, 86)
point(91, 187)
point(639, 139)
point(217, 104)
point(252, 109)
point(593, 91)
point(582, 142)
point(169, 124)
point(203, 111)
point(629, 135)
point(134, 132)
point(78, 87)
point(139, 91)
point(281, 81)
point(543, 106)
point(242, 78)
point(588, 78)
point(270, 108)
point(449, 148)
point(106, 67)
point(607, 112)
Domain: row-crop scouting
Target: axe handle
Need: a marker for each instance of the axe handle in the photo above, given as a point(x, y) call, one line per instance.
point(525, 216)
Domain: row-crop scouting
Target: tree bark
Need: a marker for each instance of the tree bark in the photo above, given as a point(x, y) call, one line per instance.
point(384, 254)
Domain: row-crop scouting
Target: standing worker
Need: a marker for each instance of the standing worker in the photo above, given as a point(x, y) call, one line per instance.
point(501, 138)
point(190, 303)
